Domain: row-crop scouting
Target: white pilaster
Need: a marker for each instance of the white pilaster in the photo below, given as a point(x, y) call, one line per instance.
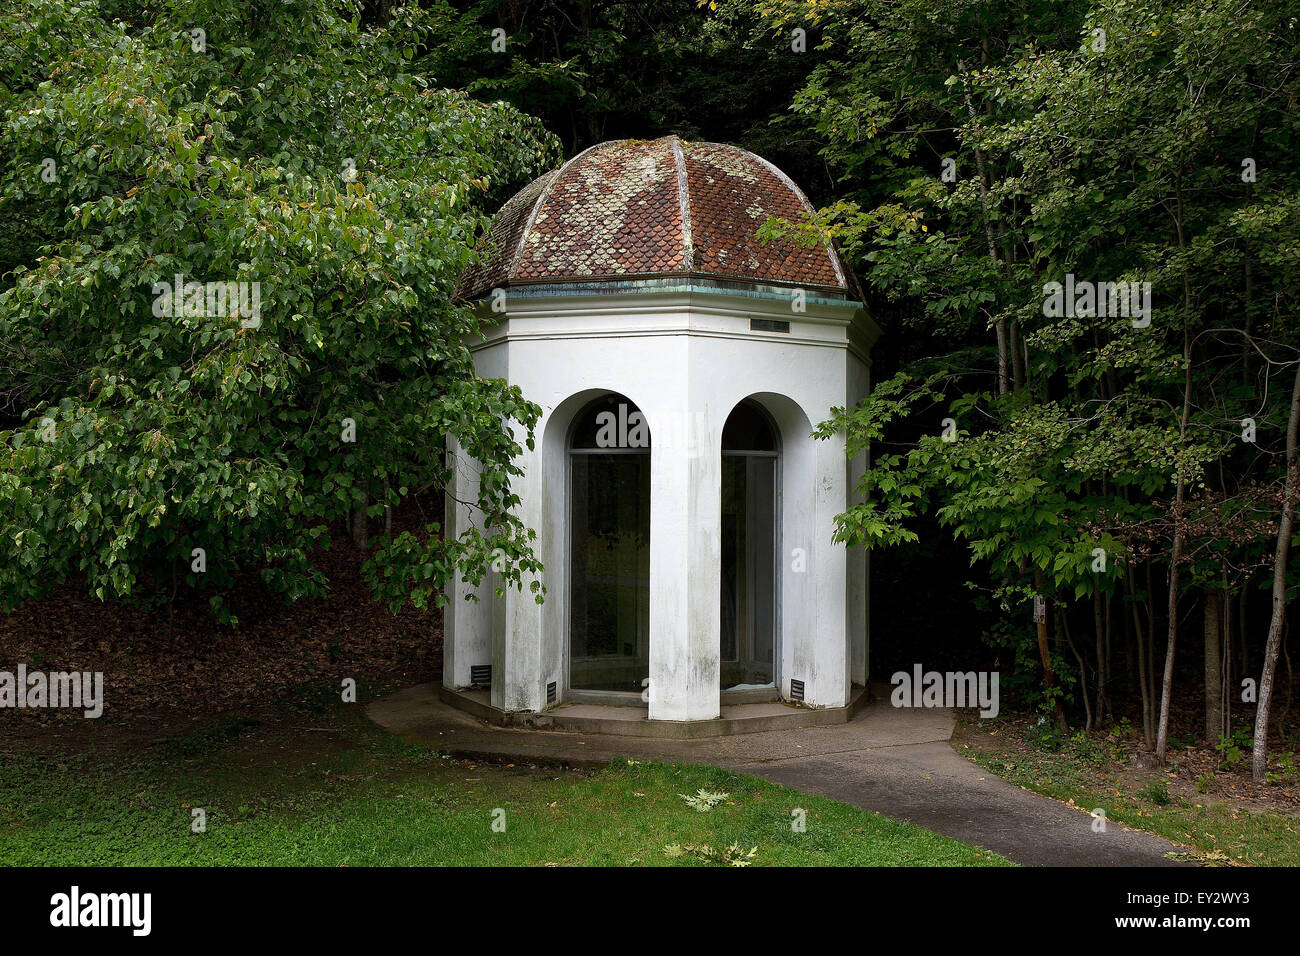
point(466, 624)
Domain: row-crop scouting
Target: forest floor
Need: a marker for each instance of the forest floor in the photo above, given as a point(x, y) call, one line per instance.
point(178, 668)
point(1204, 798)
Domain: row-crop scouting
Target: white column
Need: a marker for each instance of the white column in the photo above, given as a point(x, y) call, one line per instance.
point(685, 561)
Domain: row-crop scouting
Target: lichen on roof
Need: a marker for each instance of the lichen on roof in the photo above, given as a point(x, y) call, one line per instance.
point(658, 207)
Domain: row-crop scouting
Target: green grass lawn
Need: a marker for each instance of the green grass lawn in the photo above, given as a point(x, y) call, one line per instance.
point(345, 793)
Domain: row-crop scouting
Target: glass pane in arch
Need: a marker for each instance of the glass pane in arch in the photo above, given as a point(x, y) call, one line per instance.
point(748, 428)
point(608, 423)
point(749, 547)
point(609, 516)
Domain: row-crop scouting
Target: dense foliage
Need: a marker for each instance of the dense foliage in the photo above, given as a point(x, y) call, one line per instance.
point(161, 434)
point(1124, 462)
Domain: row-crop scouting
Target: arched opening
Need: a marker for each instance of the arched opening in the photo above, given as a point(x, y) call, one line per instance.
point(749, 583)
point(609, 547)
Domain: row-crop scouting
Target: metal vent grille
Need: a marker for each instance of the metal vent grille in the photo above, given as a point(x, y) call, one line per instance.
point(480, 675)
point(768, 325)
point(796, 689)
point(551, 692)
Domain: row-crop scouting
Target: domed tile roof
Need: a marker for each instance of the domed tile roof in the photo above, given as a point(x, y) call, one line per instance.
point(665, 207)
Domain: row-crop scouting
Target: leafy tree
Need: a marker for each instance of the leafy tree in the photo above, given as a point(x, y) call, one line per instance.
point(285, 150)
point(990, 150)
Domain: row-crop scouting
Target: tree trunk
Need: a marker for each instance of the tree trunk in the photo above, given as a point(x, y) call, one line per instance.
point(1045, 654)
point(1281, 556)
point(357, 526)
point(1063, 627)
point(1229, 612)
point(1176, 552)
point(1003, 378)
point(1101, 624)
point(1243, 648)
point(1213, 666)
point(1143, 666)
point(1001, 326)
point(1167, 679)
point(1180, 495)
point(1019, 358)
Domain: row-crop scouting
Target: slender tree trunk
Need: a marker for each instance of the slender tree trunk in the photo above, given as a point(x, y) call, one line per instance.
point(1003, 377)
point(1281, 556)
point(1063, 626)
point(1103, 654)
point(1045, 654)
point(1110, 653)
point(1144, 681)
point(1151, 655)
point(1143, 666)
point(1167, 678)
point(1243, 648)
point(1176, 552)
point(357, 526)
point(1004, 345)
point(1228, 682)
point(1019, 358)
point(1213, 663)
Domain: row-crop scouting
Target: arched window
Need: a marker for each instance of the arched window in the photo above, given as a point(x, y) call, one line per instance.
point(609, 553)
point(749, 580)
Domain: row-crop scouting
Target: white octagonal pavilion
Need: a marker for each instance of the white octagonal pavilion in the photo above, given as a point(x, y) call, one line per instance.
point(685, 517)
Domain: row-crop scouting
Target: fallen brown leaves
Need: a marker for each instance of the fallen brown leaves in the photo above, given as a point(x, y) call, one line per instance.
point(194, 668)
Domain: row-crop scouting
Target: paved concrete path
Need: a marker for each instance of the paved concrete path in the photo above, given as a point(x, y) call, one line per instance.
point(896, 762)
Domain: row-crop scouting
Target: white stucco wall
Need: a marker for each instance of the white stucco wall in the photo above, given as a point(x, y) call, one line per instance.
point(686, 359)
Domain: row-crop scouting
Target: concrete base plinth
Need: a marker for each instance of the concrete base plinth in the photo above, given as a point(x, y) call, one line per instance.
point(633, 721)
